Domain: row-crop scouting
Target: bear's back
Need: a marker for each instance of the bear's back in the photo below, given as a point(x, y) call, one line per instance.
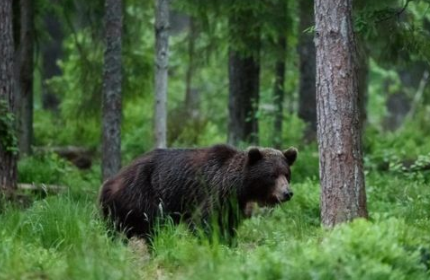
point(183, 177)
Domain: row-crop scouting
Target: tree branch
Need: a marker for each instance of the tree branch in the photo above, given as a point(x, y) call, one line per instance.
point(396, 14)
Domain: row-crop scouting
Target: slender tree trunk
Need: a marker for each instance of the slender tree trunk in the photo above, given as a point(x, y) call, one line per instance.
point(306, 50)
point(343, 196)
point(25, 64)
point(161, 71)
point(278, 87)
point(8, 174)
point(279, 92)
point(244, 82)
point(192, 97)
point(111, 158)
point(51, 51)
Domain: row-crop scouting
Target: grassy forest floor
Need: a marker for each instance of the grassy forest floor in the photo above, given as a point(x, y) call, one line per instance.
point(62, 236)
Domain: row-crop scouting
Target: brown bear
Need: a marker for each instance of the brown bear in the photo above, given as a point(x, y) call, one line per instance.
point(210, 186)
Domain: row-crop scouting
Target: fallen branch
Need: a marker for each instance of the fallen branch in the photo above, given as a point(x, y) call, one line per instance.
point(406, 166)
point(79, 156)
point(65, 151)
point(42, 188)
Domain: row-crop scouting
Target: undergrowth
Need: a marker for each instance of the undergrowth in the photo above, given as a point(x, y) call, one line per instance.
point(62, 237)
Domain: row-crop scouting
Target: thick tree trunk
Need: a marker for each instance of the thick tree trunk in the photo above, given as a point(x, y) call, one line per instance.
point(25, 60)
point(306, 50)
point(111, 158)
point(8, 174)
point(244, 82)
point(279, 92)
point(161, 71)
point(343, 196)
point(244, 76)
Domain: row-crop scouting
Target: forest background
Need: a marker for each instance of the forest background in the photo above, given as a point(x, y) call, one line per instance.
point(57, 234)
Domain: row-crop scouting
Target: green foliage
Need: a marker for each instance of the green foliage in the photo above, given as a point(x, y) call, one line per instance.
point(396, 30)
point(60, 239)
point(137, 128)
point(63, 237)
point(48, 169)
point(362, 250)
point(80, 85)
point(8, 139)
point(51, 169)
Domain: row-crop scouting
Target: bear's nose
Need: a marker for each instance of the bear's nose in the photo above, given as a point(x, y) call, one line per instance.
point(288, 195)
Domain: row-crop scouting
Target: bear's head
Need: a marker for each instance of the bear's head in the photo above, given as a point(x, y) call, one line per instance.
point(268, 175)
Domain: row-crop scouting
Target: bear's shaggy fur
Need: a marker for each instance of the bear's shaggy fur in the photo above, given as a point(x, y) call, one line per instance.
point(194, 185)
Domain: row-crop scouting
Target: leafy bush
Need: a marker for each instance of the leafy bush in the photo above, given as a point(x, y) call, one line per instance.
point(46, 169)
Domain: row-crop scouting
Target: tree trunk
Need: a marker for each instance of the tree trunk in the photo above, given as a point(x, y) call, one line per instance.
point(279, 92)
point(161, 73)
point(192, 96)
point(51, 51)
point(243, 99)
point(306, 50)
point(111, 158)
point(8, 173)
point(244, 82)
point(25, 64)
point(343, 196)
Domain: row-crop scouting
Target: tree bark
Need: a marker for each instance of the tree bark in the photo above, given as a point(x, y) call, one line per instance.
point(343, 196)
point(279, 92)
point(51, 51)
point(111, 103)
point(306, 50)
point(25, 64)
point(279, 85)
point(243, 99)
point(8, 173)
point(244, 81)
point(161, 71)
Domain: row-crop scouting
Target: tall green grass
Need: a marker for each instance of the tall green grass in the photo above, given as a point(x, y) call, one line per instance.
point(63, 237)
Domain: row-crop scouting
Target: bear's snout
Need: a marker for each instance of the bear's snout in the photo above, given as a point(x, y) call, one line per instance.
point(287, 195)
point(280, 193)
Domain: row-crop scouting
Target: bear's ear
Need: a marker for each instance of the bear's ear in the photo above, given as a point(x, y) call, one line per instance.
point(291, 155)
point(254, 155)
